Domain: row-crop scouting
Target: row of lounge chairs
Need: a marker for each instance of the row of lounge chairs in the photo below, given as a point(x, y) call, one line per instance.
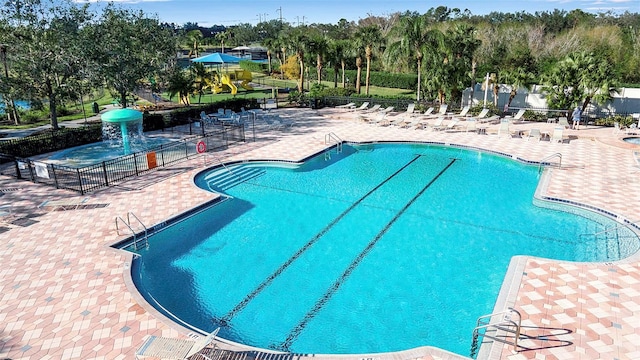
point(227, 116)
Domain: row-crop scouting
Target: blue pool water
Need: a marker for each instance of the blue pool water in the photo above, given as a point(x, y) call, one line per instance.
point(381, 248)
point(98, 152)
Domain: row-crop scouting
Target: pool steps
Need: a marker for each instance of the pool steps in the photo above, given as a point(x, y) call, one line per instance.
point(138, 242)
point(225, 178)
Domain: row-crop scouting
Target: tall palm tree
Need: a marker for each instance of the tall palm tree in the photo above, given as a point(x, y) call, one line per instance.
point(194, 37)
point(370, 38)
point(337, 55)
point(222, 36)
point(270, 45)
point(299, 42)
point(202, 79)
point(319, 45)
point(414, 40)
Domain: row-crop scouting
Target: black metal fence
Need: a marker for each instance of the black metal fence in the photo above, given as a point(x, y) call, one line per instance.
point(110, 172)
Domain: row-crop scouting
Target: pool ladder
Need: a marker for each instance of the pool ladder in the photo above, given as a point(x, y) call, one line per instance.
point(138, 242)
point(504, 327)
point(544, 161)
point(330, 138)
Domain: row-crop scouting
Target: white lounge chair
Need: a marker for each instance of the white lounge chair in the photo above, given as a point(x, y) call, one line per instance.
point(472, 125)
point(362, 106)
point(557, 135)
point(562, 121)
point(374, 108)
point(350, 105)
point(504, 128)
point(534, 133)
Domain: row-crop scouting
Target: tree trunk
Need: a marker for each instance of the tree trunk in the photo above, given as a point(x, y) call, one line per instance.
point(368, 78)
point(53, 102)
point(301, 84)
point(359, 73)
point(474, 66)
point(343, 76)
point(419, 79)
point(123, 99)
point(319, 61)
point(511, 96)
point(336, 68)
point(269, 61)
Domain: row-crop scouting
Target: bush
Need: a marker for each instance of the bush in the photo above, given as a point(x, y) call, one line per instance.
point(624, 121)
point(254, 66)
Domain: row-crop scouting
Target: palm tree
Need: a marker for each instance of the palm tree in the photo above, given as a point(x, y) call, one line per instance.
point(370, 39)
point(202, 79)
point(299, 41)
point(414, 40)
point(270, 44)
point(194, 37)
point(319, 45)
point(222, 36)
point(337, 54)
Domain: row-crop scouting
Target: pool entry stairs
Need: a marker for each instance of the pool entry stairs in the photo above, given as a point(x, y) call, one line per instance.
point(140, 238)
point(227, 177)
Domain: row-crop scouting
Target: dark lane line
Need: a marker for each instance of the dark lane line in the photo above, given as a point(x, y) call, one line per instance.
point(242, 304)
point(295, 332)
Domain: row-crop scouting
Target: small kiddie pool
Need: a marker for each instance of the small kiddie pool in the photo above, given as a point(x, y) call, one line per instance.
point(632, 140)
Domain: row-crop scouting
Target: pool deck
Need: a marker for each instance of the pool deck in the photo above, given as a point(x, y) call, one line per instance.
point(64, 292)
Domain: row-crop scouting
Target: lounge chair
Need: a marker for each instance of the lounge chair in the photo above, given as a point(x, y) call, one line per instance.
point(413, 122)
point(362, 106)
point(386, 110)
point(562, 121)
point(472, 125)
point(504, 128)
point(350, 105)
point(482, 117)
point(518, 115)
point(463, 112)
point(450, 126)
point(557, 135)
point(374, 108)
point(174, 349)
point(437, 124)
point(534, 133)
point(429, 111)
point(378, 119)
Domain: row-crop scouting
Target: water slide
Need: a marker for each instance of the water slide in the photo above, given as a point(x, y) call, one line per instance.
point(246, 78)
point(226, 80)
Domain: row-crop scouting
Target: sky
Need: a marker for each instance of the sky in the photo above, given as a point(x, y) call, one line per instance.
point(231, 12)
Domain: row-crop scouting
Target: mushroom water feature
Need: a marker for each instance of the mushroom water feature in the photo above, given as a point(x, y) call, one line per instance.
point(122, 125)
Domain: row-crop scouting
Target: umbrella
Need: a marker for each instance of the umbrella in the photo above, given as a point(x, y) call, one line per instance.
point(217, 58)
point(241, 48)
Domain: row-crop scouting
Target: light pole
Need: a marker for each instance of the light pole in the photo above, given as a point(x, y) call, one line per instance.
point(14, 111)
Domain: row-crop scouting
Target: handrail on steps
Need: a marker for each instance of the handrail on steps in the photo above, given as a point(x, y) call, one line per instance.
point(332, 136)
point(558, 155)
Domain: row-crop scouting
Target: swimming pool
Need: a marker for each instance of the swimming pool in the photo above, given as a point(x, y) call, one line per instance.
point(381, 248)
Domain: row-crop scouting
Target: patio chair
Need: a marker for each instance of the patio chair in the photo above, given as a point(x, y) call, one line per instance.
point(504, 128)
point(350, 105)
point(557, 135)
point(562, 121)
point(534, 133)
point(374, 108)
point(362, 107)
point(472, 125)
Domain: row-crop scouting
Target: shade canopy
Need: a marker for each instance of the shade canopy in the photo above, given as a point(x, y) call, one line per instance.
point(121, 115)
point(217, 58)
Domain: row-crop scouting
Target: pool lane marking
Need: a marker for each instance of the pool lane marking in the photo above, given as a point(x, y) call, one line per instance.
point(242, 304)
point(295, 332)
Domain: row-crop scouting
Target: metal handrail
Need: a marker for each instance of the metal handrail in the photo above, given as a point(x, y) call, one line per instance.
point(135, 238)
point(504, 321)
point(328, 137)
point(558, 155)
point(146, 233)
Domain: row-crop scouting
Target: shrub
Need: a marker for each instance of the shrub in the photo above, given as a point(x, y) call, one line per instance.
point(254, 66)
point(152, 122)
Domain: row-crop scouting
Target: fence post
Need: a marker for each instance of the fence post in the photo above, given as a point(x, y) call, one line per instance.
point(80, 182)
point(104, 170)
point(135, 163)
point(55, 178)
point(186, 149)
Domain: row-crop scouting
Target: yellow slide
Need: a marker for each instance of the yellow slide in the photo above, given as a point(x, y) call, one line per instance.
point(226, 80)
point(246, 78)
